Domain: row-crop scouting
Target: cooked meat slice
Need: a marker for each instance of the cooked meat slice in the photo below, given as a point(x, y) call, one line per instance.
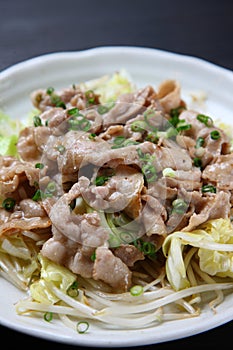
point(126, 107)
point(190, 180)
point(84, 228)
point(154, 216)
point(119, 192)
point(111, 270)
point(31, 208)
point(17, 178)
point(209, 209)
point(26, 145)
point(169, 95)
point(220, 173)
point(129, 254)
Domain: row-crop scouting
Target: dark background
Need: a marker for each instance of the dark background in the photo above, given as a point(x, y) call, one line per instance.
point(202, 29)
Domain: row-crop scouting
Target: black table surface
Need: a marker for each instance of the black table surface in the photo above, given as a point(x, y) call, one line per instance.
point(202, 29)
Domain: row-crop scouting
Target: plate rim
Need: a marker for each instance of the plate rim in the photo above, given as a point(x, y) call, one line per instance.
point(111, 49)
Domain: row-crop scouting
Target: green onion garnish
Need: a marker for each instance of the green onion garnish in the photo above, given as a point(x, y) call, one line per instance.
point(215, 135)
point(136, 290)
point(100, 180)
point(205, 119)
point(55, 99)
point(200, 142)
point(208, 188)
point(8, 203)
point(138, 126)
point(61, 104)
point(168, 172)
point(82, 327)
point(121, 141)
point(39, 165)
point(73, 111)
point(90, 96)
point(147, 248)
point(197, 162)
point(93, 256)
point(48, 316)
point(51, 187)
point(72, 290)
point(37, 196)
point(50, 90)
point(149, 172)
point(37, 121)
point(179, 206)
point(183, 126)
point(80, 123)
point(92, 136)
point(174, 113)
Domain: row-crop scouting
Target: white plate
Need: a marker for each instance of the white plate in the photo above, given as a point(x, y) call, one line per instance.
point(146, 66)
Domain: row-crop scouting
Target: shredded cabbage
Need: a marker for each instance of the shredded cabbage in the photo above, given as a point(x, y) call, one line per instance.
point(18, 260)
point(9, 138)
point(53, 273)
point(110, 87)
point(215, 242)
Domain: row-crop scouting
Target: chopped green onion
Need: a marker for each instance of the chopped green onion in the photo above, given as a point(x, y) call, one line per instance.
point(174, 113)
point(136, 290)
point(37, 196)
point(92, 136)
point(8, 203)
point(197, 162)
point(48, 316)
point(72, 290)
point(39, 165)
point(50, 90)
point(179, 206)
point(82, 327)
point(51, 187)
point(73, 111)
point(79, 124)
point(149, 172)
point(100, 180)
point(200, 142)
point(215, 135)
point(121, 141)
point(90, 97)
point(56, 100)
point(93, 256)
point(37, 121)
point(208, 188)
point(138, 126)
point(169, 172)
point(169, 133)
point(208, 121)
point(183, 126)
point(147, 248)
